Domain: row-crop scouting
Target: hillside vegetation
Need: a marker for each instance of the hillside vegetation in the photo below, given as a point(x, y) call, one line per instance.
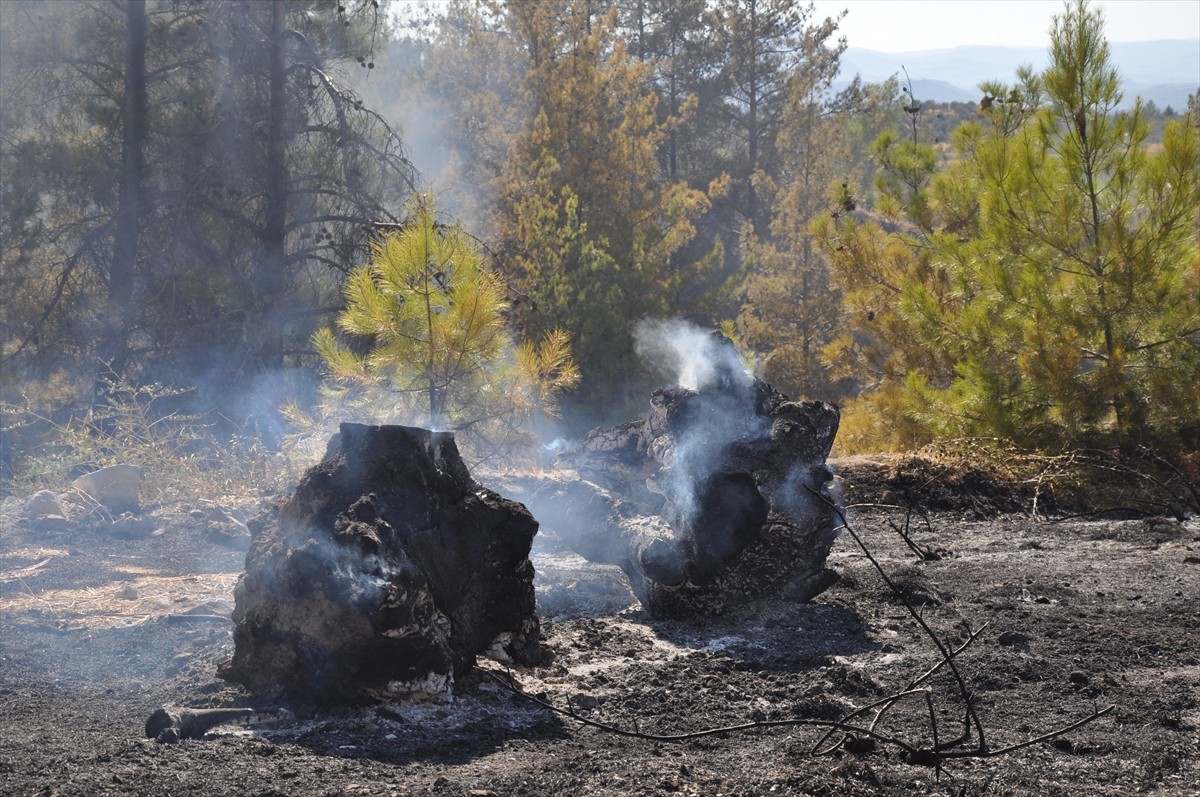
point(193, 195)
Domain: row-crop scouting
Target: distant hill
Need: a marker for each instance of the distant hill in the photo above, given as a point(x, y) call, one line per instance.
point(941, 91)
point(1165, 71)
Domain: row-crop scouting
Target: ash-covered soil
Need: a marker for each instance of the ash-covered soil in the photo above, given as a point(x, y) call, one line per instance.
point(96, 633)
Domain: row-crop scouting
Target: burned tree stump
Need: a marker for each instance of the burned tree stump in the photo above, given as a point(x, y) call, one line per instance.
point(719, 497)
point(389, 568)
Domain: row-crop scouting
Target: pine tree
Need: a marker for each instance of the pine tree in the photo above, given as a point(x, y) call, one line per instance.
point(763, 45)
point(435, 348)
point(1093, 237)
point(790, 310)
point(185, 185)
point(873, 255)
point(588, 226)
point(1050, 275)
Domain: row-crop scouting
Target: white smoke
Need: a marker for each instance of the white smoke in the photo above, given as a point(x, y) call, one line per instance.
point(704, 362)
point(695, 357)
point(559, 445)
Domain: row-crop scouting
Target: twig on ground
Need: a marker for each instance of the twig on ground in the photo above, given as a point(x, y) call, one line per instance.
point(886, 703)
point(1045, 737)
point(972, 717)
point(683, 737)
point(942, 751)
point(925, 555)
point(187, 618)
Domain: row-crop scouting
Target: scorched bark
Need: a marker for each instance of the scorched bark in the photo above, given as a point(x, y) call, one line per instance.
point(719, 497)
point(389, 569)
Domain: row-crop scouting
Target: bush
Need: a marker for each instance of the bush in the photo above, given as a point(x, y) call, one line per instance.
point(182, 455)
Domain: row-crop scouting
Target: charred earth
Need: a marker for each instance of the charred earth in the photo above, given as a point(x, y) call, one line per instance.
point(96, 633)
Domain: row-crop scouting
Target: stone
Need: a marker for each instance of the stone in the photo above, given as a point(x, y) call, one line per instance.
point(115, 487)
point(41, 504)
point(45, 512)
point(52, 523)
point(386, 572)
point(128, 527)
point(227, 527)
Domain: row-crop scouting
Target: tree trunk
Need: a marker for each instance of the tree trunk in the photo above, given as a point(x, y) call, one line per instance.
point(113, 348)
point(752, 121)
point(269, 277)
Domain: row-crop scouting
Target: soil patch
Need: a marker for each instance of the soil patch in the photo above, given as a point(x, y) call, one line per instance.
point(96, 633)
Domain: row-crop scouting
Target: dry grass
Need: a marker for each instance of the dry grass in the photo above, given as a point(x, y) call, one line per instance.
point(135, 595)
point(182, 456)
point(1093, 481)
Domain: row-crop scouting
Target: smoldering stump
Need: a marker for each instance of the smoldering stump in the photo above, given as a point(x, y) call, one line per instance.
point(720, 496)
point(389, 568)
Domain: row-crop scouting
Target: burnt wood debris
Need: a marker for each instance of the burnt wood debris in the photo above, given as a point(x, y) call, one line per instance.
point(171, 724)
point(390, 568)
point(385, 573)
point(713, 500)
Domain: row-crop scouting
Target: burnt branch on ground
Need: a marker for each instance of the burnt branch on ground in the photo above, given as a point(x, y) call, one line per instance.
point(859, 738)
point(924, 554)
point(511, 684)
point(880, 707)
point(971, 716)
point(171, 724)
point(939, 751)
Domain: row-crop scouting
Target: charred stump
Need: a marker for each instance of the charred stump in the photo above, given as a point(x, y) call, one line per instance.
point(389, 568)
point(719, 497)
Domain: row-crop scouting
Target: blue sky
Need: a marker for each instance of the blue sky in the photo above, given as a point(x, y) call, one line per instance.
point(908, 25)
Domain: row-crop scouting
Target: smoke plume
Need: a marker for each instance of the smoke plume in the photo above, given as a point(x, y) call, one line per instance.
point(705, 363)
point(695, 358)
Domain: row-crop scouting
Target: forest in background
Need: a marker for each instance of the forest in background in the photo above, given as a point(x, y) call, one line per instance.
point(187, 187)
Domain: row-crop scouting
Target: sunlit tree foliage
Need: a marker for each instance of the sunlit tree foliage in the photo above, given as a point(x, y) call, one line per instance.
point(438, 350)
point(1046, 285)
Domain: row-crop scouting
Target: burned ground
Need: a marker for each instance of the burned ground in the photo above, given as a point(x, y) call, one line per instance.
point(96, 633)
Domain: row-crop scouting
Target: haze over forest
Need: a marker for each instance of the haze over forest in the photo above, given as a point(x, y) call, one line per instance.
point(1165, 72)
point(204, 209)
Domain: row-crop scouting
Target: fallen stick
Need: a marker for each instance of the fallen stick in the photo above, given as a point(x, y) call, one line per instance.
point(511, 686)
point(169, 724)
point(186, 618)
